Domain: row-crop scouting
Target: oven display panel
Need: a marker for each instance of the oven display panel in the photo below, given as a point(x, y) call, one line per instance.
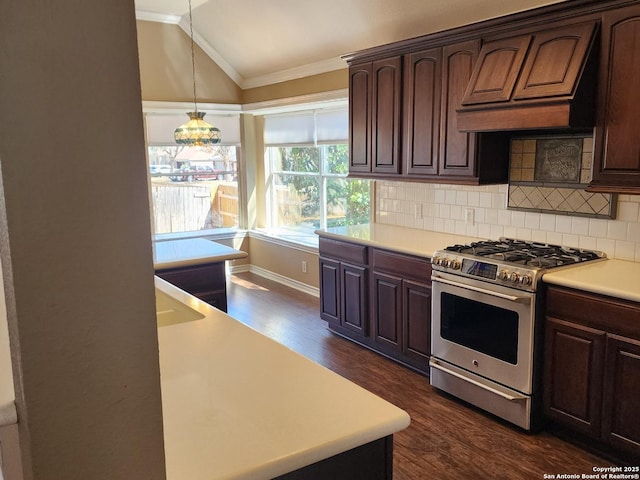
point(479, 269)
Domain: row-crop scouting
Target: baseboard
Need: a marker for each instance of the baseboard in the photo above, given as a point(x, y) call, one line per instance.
point(276, 277)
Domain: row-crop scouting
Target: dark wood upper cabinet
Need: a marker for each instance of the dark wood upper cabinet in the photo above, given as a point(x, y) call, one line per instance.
point(542, 80)
point(496, 72)
point(422, 85)
point(360, 117)
point(439, 108)
point(617, 154)
point(457, 148)
point(385, 128)
point(555, 62)
point(374, 116)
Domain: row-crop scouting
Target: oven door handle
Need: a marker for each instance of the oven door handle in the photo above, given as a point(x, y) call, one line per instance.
point(512, 398)
point(513, 298)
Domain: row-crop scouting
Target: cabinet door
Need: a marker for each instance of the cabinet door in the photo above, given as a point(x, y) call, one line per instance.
point(360, 118)
point(421, 104)
point(385, 116)
point(621, 406)
point(354, 298)
point(387, 310)
point(457, 149)
point(496, 71)
point(554, 64)
point(573, 371)
point(330, 290)
point(417, 320)
point(617, 143)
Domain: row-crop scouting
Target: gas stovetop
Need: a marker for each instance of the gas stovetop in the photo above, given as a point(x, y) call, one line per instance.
point(507, 261)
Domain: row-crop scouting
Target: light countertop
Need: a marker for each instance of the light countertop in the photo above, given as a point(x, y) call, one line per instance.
point(237, 404)
point(400, 239)
point(616, 278)
point(191, 251)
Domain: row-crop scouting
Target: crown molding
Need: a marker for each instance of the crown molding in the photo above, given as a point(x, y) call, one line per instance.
point(157, 17)
point(212, 53)
point(316, 68)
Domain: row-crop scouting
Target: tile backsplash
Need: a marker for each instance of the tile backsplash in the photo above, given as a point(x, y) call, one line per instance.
point(482, 212)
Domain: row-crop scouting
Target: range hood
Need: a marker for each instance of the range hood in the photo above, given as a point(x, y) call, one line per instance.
point(538, 80)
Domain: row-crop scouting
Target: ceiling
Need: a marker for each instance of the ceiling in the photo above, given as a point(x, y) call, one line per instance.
point(259, 42)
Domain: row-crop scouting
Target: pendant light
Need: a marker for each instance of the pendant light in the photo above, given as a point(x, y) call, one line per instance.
point(196, 132)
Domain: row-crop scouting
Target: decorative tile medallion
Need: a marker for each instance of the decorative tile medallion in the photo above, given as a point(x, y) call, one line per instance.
point(549, 174)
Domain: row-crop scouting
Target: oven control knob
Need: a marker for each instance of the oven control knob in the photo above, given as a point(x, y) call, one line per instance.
point(436, 260)
point(514, 277)
point(455, 264)
point(504, 275)
point(525, 280)
point(446, 263)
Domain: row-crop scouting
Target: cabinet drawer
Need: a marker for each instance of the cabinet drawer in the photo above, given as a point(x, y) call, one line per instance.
point(349, 252)
point(596, 311)
point(407, 266)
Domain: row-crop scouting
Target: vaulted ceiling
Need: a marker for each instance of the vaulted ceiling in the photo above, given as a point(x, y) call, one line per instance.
point(259, 42)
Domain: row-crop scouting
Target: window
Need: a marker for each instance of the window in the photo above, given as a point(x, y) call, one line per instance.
point(307, 163)
point(192, 188)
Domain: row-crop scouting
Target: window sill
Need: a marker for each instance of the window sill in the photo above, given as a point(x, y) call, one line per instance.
point(307, 242)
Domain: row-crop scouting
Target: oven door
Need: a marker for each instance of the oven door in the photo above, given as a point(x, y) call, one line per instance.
point(485, 329)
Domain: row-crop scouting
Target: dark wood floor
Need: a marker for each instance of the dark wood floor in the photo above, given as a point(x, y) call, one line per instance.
point(446, 439)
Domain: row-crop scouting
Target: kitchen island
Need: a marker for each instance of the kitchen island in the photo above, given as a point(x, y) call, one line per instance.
point(237, 404)
point(196, 265)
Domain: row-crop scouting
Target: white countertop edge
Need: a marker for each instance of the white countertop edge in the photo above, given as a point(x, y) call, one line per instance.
point(8, 413)
point(599, 289)
point(395, 419)
point(410, 241)
point(197, 260)
point(305, 458)
point(610, 277)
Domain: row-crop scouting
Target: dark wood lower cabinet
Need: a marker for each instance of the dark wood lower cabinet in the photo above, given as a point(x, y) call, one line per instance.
point(208, 282)
point(417, 320)
point(354, 281)
point(592, 371)
point(387, 310)
point(372, 461)
point(573, 375)
point(378, 298)
point(401, 306)
point(621, 399)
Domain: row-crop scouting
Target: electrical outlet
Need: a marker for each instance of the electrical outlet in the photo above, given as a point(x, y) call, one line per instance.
point(304, 267)
point(468, 216)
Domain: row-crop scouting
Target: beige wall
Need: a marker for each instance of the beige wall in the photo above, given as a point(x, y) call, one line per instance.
point(325, 82)
point(75, 242)
point(165, 68)
point(165, 73)
point(285, 261)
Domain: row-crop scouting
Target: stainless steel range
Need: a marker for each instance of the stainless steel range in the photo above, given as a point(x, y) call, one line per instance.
point(486, 326)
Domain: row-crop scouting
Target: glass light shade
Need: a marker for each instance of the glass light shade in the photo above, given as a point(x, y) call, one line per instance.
point(196, 132)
